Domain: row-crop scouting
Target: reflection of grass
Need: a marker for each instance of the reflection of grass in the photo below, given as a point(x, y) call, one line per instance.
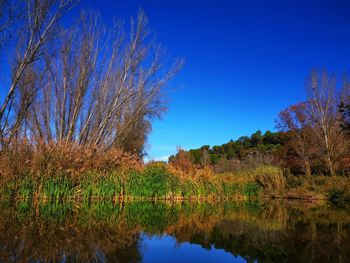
point(55, 211)
point(75, 227)
point(156, 217)
point(96, 213)
point(152, 217)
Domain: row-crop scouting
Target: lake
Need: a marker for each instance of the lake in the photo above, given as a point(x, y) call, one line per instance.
point(273, 231)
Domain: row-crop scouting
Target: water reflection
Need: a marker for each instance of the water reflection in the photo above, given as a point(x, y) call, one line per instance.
point(173, 232)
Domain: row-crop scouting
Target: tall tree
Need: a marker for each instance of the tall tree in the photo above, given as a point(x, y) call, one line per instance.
point(324, 97)
point(315, 124)
point(38, 27)
point(86, 84)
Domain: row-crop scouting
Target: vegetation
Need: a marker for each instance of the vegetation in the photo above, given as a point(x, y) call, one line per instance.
point(53, 173)
point(78, 103)
point(244, 153)
point(76, 106)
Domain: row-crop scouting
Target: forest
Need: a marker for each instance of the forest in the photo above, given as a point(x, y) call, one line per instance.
point(77, 106)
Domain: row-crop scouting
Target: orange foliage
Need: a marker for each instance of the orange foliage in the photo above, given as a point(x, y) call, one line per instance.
point(182, 166)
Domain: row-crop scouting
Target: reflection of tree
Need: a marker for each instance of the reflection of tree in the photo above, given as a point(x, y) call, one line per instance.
point(277, 232)
point(308, 235)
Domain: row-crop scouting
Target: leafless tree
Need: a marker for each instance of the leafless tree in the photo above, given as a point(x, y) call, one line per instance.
point(324, 99)
point(86, 84)
point(101, 88)
point(37, 29)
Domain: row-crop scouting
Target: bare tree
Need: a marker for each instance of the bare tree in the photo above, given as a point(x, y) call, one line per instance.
point(102, 88)
point(85, 84)
point(324, 99)
point(39, 27)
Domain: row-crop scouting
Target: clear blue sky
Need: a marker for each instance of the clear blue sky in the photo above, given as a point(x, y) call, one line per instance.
point(245, 61)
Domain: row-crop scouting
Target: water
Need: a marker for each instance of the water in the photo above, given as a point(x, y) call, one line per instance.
point(174, 232)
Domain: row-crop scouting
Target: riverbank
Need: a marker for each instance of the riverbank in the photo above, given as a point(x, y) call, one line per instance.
point(58, 172)
point(153, 182)
point(158, 181)
point(335, 189)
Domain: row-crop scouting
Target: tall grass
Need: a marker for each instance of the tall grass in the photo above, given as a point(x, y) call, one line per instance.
point(59, 172)
point(270, 178)
point(56, 159)
point(153, 182)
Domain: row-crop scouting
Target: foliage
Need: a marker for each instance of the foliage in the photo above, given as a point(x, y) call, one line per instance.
point(151, 181)
point(244, 153)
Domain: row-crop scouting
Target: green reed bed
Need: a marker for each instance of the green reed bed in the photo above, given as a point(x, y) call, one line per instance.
point(154, 182)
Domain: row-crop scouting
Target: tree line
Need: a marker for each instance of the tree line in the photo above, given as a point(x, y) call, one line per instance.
point(312, 136)
point(79, 82)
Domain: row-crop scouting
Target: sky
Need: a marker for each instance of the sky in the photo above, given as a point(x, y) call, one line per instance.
point(245, 61)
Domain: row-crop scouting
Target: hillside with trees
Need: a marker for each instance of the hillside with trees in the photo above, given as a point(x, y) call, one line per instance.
point(246, 151)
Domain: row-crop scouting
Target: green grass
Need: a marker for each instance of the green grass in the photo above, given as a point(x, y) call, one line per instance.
point(58, 188)
point(153, 182)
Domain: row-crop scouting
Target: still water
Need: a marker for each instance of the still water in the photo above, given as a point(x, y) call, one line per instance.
point(174, 232)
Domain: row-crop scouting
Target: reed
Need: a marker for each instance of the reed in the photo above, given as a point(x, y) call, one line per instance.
point(60, 172)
